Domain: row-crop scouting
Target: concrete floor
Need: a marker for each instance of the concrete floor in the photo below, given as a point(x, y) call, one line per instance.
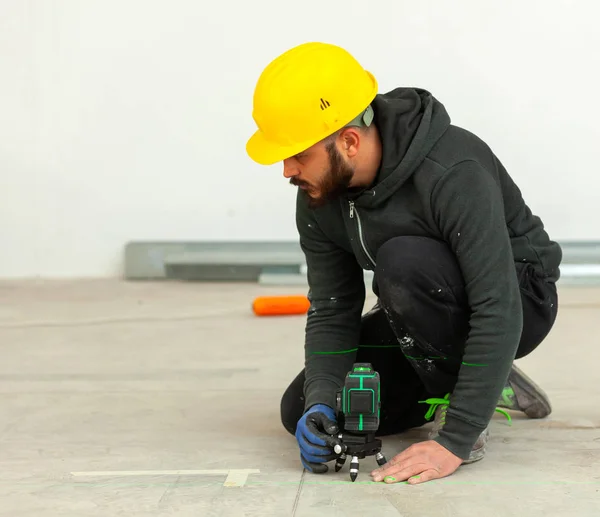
point(144, 399)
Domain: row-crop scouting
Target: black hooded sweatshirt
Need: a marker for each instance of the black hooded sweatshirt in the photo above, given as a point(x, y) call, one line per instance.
point(440, 181)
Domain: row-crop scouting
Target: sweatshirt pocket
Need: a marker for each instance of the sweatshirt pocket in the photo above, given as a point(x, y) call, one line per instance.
point(532, 285)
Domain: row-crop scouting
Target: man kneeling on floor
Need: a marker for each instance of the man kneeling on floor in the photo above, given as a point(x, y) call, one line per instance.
point(464, 273)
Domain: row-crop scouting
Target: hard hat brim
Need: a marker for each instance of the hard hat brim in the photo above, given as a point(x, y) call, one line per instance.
point(265, 152)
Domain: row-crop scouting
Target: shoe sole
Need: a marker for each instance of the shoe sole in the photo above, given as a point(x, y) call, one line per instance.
point(479, 453)
point(526, 384)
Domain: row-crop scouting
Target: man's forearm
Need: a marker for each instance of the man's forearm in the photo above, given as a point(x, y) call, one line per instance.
point(332, 339)
point(486, 363)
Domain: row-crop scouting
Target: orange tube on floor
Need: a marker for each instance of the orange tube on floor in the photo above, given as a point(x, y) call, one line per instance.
point(280, 305)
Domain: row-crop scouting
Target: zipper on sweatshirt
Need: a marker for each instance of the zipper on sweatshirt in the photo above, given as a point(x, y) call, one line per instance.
point(353, 212)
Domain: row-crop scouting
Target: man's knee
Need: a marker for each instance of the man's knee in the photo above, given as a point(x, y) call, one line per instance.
point(540, 309)
point(292, 404)
point(401, 258)
point(412, 265)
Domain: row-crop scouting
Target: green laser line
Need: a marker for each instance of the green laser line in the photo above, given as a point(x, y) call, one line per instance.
point(175, 484)
point(379, 346)
point(338, 352)
point(445, 481)
point(393, 346)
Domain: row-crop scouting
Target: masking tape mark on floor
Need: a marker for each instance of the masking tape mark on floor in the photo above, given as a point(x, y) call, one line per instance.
point(235, 477)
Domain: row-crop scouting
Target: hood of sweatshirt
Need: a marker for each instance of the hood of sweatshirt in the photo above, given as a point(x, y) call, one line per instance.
point(410, 122)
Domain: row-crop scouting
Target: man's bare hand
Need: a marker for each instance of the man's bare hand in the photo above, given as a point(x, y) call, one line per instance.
point(420, 462)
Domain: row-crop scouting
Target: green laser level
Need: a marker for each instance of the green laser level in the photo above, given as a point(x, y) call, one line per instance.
point(360, 399)
point(358, 406)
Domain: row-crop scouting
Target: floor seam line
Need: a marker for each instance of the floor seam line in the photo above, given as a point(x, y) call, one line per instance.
point(297, 500)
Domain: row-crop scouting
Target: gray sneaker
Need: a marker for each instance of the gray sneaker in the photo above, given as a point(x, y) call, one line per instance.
point(478, 451)
point(522, 394)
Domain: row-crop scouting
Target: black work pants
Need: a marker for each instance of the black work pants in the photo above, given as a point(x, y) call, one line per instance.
point(419, 284)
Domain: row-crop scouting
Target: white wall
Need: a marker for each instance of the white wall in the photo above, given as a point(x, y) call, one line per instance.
point(127, 119)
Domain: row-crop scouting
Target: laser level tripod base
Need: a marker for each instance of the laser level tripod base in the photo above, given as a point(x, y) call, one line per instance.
point(358, 446)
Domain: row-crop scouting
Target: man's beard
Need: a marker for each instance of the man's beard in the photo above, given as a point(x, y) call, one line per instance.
point(333, 184)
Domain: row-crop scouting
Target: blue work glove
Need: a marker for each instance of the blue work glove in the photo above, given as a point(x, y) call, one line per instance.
point(314, 434)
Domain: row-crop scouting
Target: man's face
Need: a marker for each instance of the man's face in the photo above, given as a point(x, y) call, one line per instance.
point(320, 170)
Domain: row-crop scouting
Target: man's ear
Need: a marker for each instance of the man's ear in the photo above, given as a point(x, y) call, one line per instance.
point(350, 141)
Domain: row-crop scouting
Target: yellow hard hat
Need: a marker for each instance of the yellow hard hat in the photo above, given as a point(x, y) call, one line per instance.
point(305, 95)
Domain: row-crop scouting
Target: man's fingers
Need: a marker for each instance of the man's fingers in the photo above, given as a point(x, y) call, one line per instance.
point(318, 457)
point(397, 474)
point(311, 448)
point(329, 425)
point(396, 463)
point(316, 424)
point(400, 470)
point(428, 475)
point(331, 441)
point(316, 468)
point(315, 453)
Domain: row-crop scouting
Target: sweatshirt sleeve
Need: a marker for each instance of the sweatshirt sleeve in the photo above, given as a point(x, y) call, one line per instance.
point(468, 207)
point(337, 295)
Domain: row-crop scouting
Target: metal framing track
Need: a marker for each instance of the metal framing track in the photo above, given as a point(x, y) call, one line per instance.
point(269, 262)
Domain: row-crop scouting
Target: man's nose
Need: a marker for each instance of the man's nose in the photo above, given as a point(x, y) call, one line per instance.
point(289, 170)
